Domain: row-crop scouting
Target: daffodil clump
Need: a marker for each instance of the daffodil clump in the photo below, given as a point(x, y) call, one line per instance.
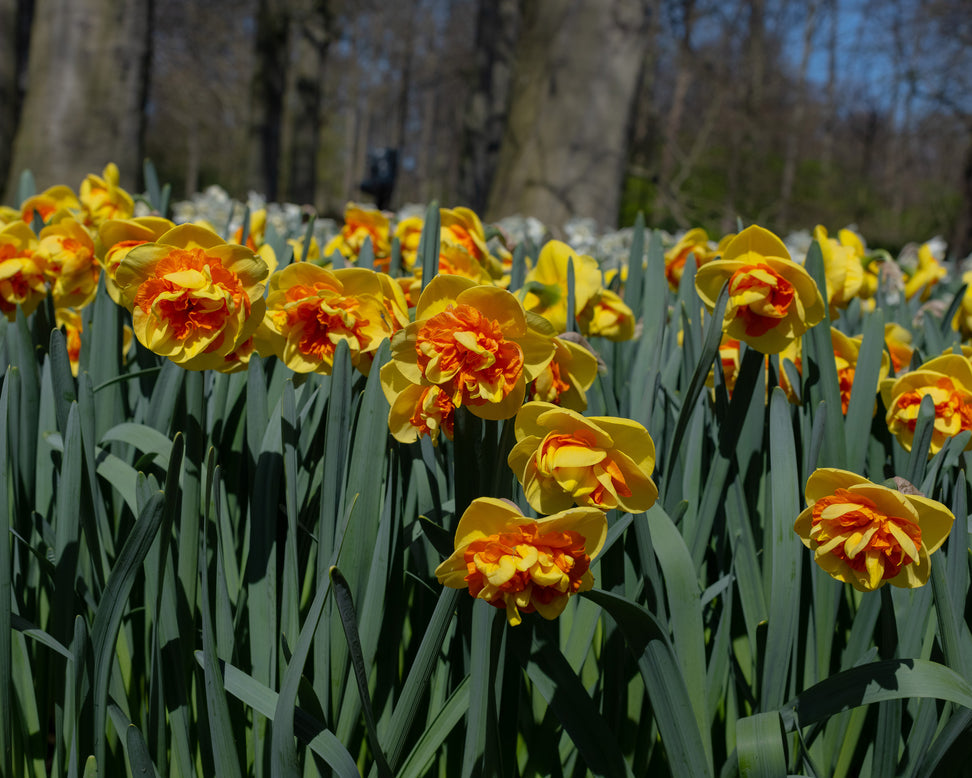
point(622, 506)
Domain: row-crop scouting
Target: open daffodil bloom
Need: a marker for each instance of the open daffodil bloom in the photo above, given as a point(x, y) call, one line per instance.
point(522, 564)
point(866, 534)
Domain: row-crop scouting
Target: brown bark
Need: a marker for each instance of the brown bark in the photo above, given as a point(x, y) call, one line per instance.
point(575, 82)
point(86, 87)
point(15, 21)
point(497, 26)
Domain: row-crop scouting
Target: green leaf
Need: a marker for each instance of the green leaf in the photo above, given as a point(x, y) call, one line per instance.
point(6, 579)
point(143, 438)
point(220, 726)
point(685, 608)
point(786, 555)
point(760, 748)
point(427, 256)
point(345, 605)
point(890, 679)
point(860, 408)
point(420, 758)
point(563, 691)
point(263, 700)
point(666, 687)
point(114, 600)
point(395, 735)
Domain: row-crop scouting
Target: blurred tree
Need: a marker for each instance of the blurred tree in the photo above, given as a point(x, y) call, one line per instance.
point(497, 28)
point(87, 80)
point(575, 79)
point(15, 18)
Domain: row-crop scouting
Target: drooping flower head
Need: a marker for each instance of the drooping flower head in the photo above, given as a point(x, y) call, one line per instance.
point(607, 316)
point(842, 266)
point(102, 198)
point(473, 342)
point(866, 534)
point(562, 458)
point(311, 309)
point(948, 381)
point(416, 410)
point(461, 228)
point(71, 269)
point(409, 234)
point(694, 242)
point(49, 202)
point(523, 565)
point(194, 297)
point(569, 375)
point(897, 339)
point(544, 289)
point(22, 280)
point(928, 272)
point(772, 299)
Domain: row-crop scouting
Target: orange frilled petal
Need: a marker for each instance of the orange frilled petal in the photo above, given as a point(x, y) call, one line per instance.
point(523, 565)
point(310, 310)
point(562, 458)
point(866, 534)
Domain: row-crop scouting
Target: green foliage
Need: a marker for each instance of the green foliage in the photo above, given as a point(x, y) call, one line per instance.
point(234, 574)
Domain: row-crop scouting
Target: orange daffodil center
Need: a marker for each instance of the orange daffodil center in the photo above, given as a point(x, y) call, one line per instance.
point(465, 353)
point(873, 544)
point(866, 534)
point(523, 565)
point(562, 458)
point(772, 299)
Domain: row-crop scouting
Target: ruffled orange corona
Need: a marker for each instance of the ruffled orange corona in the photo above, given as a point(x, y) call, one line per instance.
point(866, 534)
point(523, 565)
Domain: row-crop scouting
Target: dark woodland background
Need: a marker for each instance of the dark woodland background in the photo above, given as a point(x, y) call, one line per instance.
point(695, 111)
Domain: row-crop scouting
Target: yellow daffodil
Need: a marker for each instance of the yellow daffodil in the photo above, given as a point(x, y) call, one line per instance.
point(119, 236)
point(50, 201)
point(772, 299)
point(520, 564)
point(102, 198)
point(866, 534)
point(473, 342)
point(948, 381)
point(928, 272)
point(310, 310)
point(562, 458)
point(606, 316)
point(545, 286)
point(195, 298)
point(695, 242)
point(360, 224)
point(409, 233)
point(22, 280)
point(462, 228)
point(416, 410)
point(842, 266)
point(70, 265)
point(567, 378)
point(898, 342)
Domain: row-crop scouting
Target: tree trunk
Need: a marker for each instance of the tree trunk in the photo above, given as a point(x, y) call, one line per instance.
point(269, 86)
point(497, 26)
point(87, 79)
point(15, 20)
point(575, 82)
